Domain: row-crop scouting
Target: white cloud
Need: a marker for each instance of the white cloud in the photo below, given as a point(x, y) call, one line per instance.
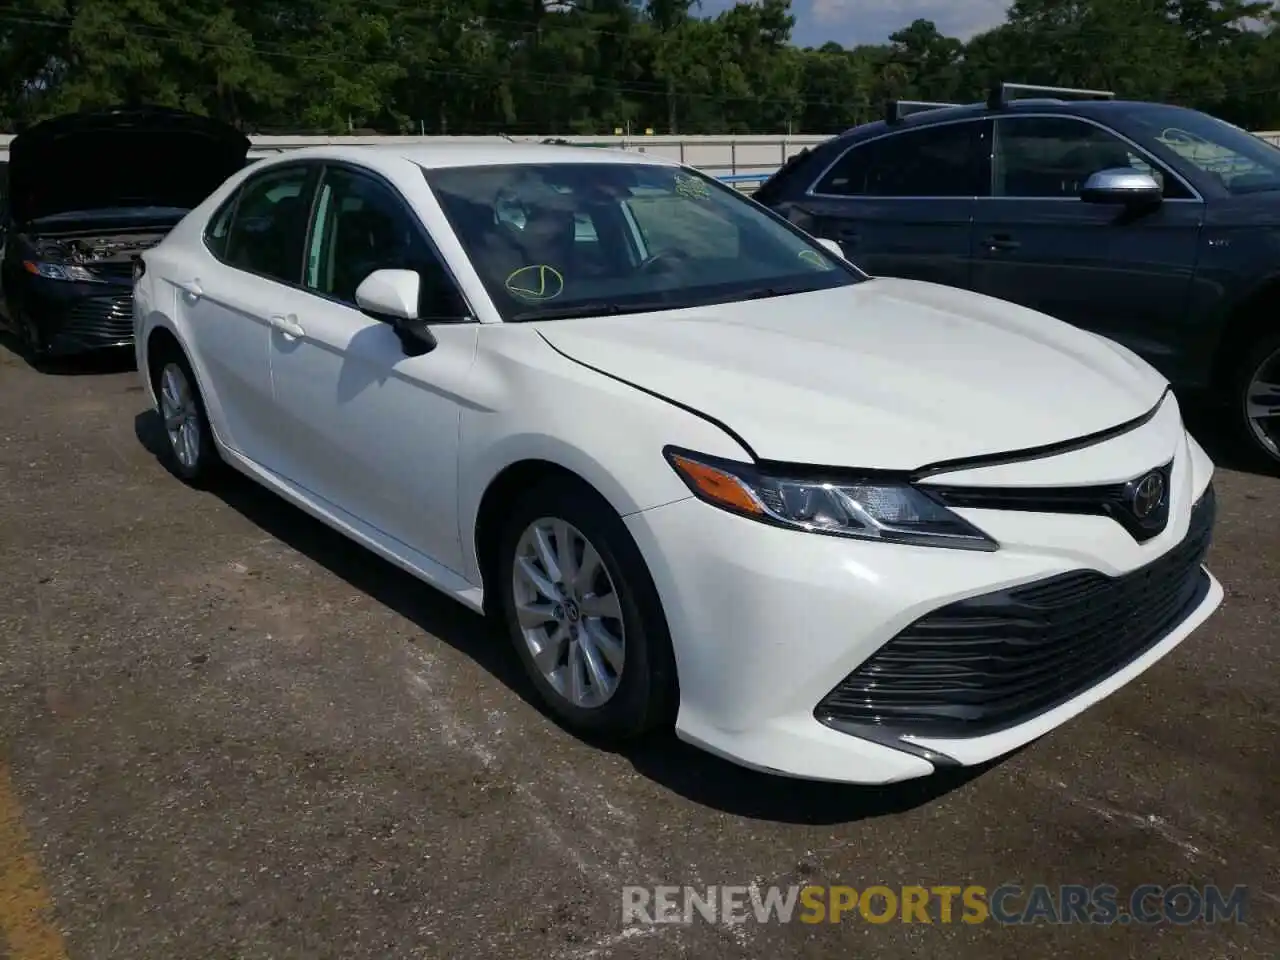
point(957, 18)
point(850, 22)
point(871, 21)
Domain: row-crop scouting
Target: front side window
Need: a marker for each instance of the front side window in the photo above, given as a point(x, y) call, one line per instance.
point(270, 224)
point(1053, 157)
point(559, 239)
point(361, 225)
point(939, 161)
point(1234, 158)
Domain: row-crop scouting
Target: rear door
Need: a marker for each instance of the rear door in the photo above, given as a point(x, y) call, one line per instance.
point(1122, 273)
point(901, 205)
point(227, 297)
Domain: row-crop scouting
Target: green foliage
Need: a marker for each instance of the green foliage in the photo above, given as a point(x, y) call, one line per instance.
point(593, 66)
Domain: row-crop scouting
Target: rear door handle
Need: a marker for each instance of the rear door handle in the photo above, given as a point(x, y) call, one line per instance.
point(192, 289)
point(288, 326)
point(1001, 241)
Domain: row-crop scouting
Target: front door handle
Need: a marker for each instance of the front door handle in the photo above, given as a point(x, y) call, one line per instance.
point(288, 326)
point(192, 289)
point(1001, 241)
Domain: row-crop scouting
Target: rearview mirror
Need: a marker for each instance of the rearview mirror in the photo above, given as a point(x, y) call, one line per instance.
point(1122, 185)
point(832, 245)
point(392, 297)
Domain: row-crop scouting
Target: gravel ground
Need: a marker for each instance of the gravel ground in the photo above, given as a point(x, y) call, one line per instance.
point(228, 732)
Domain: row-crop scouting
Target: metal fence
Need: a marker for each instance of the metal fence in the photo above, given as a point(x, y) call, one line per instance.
point(744, 161)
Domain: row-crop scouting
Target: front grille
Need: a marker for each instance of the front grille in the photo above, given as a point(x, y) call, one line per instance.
point(116, 272)
point(1113, 500)
point(988, 663)
point(99, 320)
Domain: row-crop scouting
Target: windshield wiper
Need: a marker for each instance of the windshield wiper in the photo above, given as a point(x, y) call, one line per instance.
point(592, 308)
point(761, 293)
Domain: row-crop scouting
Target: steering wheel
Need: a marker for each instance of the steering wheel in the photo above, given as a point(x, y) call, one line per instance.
point(661, 257)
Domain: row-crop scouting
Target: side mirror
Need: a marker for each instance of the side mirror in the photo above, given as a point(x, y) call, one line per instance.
point(832, 245)
point(1124, 186)
point(392, 297)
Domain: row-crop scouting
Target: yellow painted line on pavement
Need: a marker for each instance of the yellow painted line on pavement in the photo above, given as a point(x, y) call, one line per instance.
point(26, 909)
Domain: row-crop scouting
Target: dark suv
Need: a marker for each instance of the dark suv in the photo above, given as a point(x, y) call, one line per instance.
point(1153, 225)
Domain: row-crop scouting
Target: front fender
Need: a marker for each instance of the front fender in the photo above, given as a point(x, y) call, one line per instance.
point(532, 404)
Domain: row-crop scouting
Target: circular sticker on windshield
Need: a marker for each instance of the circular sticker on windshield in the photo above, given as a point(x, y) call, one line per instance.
point(814, 259)
point(535, 283)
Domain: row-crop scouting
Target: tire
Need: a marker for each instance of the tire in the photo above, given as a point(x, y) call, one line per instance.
point(193, 458)
point(1260, 363)
point(37, 354)
point(645, 691)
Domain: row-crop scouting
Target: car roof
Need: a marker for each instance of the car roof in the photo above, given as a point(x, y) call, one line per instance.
point(1092, 109)
point(438, 155)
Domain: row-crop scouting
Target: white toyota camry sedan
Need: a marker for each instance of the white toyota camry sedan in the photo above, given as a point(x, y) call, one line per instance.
point(706, 472)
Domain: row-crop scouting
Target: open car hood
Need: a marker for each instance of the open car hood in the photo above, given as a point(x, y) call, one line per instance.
point(138, 157)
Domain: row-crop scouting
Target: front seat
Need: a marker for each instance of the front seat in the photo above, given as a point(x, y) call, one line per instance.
point(363, 242)
point(548, 237)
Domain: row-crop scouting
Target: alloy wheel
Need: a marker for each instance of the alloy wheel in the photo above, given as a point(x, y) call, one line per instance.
point(181, 415)
point(569, 612)
point(1262, 404)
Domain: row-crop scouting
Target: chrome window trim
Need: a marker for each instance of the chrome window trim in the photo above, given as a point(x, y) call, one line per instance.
point(1196, 196)
point(1154, 162)
point(813, 188)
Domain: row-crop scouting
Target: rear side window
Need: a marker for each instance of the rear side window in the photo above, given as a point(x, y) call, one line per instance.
point(215, 234)
point(939, 161)
point(269, 228)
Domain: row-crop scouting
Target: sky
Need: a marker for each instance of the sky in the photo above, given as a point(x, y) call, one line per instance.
point(850, 22)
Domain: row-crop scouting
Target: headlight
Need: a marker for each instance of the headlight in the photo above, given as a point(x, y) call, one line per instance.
point(893, 511)
point(61, 271)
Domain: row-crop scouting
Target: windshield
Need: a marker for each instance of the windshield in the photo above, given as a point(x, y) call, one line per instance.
point(568, 239)
point(1235, 158)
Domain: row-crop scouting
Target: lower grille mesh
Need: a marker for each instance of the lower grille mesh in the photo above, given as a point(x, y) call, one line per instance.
point(991, 662)
point(100, 320)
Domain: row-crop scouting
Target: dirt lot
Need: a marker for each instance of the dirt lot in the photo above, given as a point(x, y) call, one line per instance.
point(228, 733)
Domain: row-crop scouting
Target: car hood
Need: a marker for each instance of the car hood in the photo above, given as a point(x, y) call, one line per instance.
point(150, 157)
point(886, 374)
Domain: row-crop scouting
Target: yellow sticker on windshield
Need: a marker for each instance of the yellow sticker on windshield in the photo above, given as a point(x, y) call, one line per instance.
point(535, 283)
point(692, 187)
point(814, 259)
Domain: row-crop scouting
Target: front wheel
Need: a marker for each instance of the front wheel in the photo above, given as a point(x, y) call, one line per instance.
point(584, 614)
point(1257, 397)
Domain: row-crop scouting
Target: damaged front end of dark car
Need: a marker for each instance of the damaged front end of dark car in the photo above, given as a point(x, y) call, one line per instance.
point(87, 193)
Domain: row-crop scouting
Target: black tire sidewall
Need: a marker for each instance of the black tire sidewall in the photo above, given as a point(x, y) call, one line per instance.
point(1261, 350)
point(646, 696)
point(207, 460)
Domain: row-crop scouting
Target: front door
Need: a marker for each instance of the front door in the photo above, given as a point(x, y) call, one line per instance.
point(370, 430)
point(1121, 273)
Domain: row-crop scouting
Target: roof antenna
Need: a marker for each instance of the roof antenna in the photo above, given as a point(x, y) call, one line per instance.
point(508, 138)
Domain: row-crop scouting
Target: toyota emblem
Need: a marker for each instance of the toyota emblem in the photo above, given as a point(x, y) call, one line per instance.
point(1147, 496)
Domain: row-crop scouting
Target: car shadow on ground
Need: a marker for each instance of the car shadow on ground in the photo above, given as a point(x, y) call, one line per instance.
point(676, 766)
point(98, 363)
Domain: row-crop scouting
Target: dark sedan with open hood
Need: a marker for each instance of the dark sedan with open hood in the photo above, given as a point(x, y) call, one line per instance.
point(87, 192)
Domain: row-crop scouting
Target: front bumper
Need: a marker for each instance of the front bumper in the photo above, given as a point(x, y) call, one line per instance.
point(72, 318)
point(767, 622)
